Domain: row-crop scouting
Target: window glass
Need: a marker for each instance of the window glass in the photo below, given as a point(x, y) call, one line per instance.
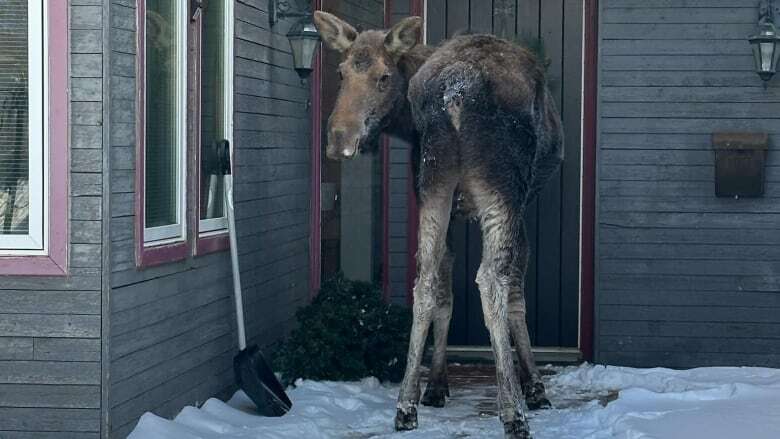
point(163, 139)
point(351, 235)
point(213, 117)
point(22, 144)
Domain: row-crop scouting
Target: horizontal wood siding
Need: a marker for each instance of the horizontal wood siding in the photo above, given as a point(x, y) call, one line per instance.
point(272, 141)
point(685, 279)
point(172, 336)
point(50, 327)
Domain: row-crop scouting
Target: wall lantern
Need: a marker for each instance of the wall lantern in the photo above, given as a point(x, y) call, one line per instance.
point(303, 35)
point(765, 42)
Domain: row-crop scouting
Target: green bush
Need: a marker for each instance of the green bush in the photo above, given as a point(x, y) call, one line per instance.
point(347, 333)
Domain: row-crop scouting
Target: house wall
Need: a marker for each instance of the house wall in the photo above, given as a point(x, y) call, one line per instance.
point(684, 278)
point(50, 327)
point(172, 337)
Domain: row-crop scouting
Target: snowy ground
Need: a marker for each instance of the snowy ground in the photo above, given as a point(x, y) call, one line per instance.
point(591, 402)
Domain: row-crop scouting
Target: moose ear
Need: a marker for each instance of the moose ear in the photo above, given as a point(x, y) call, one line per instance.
point(403, 36)
point(335, 32)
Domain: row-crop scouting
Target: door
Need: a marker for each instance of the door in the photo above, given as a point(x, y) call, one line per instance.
point(553, 220)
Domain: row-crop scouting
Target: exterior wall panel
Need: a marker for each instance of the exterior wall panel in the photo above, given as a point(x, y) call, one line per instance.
point(50, 327)
point(172, 330)
point(685, 279)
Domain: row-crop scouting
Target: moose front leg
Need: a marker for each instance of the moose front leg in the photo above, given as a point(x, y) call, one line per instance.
point(437, 390)
point(435, 210)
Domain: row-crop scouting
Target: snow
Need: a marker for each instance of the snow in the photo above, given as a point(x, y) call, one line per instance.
point(591, 402)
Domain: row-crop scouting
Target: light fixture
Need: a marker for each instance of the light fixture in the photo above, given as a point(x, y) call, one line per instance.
point(303, 35)
point(765, 42)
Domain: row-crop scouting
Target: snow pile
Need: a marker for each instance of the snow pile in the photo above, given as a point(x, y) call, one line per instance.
point(593, 402)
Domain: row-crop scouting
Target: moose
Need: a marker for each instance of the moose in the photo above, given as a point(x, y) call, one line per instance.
point(485, 137)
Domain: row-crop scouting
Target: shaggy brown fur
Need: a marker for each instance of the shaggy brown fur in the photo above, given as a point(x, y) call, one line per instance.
point(485, 136)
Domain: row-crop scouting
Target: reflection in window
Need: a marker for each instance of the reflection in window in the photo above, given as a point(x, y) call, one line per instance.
point(164, 142)
point(213, 123)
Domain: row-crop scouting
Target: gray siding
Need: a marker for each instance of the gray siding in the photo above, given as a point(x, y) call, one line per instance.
point(170, 334)
point(50, 327)
point(684, 278)
point(171, 330)
point(272, 126)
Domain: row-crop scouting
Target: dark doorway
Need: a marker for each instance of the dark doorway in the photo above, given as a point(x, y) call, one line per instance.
point(553, 221)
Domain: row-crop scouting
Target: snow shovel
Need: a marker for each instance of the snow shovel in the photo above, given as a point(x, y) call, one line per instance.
point(253, 375)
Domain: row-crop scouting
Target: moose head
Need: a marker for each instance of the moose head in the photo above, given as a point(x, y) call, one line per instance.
point(373, 85)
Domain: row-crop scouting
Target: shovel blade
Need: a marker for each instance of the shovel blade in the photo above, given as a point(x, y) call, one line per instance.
point(257, 380)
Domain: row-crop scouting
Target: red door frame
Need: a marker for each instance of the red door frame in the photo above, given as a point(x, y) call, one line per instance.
point(588, 194)
point(588, 190)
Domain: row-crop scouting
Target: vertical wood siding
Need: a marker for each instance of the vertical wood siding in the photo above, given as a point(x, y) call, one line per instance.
point(398, 199)
point(684, 278)
point(552, 220)
point(50, 328)
point(172, 336)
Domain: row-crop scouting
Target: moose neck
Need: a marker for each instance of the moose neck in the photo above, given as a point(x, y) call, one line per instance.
point(401, 124)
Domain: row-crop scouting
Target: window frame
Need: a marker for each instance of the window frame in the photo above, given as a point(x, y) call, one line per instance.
point(159, 245)
point(53, 120)
point(35, 241)
point(212, 234)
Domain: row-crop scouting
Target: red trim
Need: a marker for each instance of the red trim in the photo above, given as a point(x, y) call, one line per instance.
point(157, 255)
point(589, 146)
point(56, 262)
point(416, 7)
point(315, 214)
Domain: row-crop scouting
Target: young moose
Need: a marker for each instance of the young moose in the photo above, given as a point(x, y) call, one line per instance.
point(485, 137)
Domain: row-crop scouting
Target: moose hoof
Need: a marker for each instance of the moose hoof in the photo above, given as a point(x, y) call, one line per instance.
point(406, 421)
point(435, 396)
point(516, 430)
point(536, 398)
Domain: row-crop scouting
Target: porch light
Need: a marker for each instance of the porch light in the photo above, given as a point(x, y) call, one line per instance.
point(765, 42)
point(303, 35)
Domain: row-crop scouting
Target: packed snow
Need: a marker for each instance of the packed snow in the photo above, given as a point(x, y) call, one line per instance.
point(591, 402)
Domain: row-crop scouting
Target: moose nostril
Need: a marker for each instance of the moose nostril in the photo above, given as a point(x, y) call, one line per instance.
point(338, 137)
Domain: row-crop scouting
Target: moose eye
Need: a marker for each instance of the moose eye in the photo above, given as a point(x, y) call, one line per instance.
point(383, 80)
point(341, 75)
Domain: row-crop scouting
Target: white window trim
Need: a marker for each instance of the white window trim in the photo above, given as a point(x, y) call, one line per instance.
point(177, 232)
point(35, 243)
point(213, 226)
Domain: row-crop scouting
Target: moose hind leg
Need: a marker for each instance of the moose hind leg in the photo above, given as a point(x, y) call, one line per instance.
point(437, 390)
point(497, 276)
point(530, 378)
point(435, 207)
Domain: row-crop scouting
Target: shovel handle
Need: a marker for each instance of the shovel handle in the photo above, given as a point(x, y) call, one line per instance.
point(234, 262)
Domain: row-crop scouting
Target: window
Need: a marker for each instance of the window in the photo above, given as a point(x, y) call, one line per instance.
point(215, 112)
point(164, 122)
point(33, 137)
point(185, 112)
point(23, 144)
